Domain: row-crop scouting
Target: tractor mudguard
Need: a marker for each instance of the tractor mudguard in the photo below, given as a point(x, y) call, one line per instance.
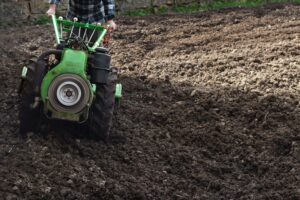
point(99, 68)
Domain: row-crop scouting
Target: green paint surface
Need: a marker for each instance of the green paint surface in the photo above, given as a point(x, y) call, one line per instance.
point(73, 62)
point(67, 26)
point(24, 72)
point(118, 92)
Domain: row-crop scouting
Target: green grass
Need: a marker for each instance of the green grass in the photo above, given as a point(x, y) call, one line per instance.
point(162, 9)
point(41, 20)
point(218, 5)
point(147, 11)
point(215, 5)
point(140, 12)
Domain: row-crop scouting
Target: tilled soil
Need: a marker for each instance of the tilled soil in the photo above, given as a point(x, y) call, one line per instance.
point(211, 110)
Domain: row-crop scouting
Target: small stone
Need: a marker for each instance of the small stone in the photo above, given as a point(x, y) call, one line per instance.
point(102, 183)
point(18, 182)
point(168, 135)
point(222, 123)
point(180, 103)
point(193, 93)
point(30, 134)
point(293, 170)
point(47, 189)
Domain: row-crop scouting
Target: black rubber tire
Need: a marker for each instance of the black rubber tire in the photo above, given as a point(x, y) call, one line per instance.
point(30, 118)
point(101, 112)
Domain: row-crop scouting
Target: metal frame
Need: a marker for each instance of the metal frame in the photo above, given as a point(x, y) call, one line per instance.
point(71, 24)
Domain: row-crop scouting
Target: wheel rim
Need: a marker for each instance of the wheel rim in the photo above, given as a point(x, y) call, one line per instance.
point(69, 93)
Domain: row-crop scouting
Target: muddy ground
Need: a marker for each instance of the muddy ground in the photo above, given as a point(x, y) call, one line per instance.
point(211, 110)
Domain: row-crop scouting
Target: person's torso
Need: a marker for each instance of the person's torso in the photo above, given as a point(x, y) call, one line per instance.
point(86, 10)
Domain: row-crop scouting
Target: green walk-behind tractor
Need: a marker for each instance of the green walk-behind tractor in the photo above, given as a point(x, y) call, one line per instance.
point(74, 82)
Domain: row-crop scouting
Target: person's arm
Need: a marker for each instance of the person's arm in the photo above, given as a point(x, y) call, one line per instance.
point(52, 7)
point(109, 11)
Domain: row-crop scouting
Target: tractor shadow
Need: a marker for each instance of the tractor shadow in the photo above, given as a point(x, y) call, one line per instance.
point(180, 111)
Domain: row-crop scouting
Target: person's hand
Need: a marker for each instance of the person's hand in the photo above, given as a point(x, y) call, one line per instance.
point(112, 24)
point(52, 10)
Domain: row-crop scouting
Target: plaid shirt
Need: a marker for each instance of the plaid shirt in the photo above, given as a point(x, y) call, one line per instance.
point(90, 10)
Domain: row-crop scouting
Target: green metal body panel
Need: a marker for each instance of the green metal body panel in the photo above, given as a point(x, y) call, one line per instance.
point(72, 62)
point(24, 72)
point(94, 88)
point(55, 25)
point(118, 92)
point(67, 116)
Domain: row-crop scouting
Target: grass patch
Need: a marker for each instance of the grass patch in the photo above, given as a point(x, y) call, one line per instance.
point(162, 9)
point(41, 20)
point(140, 12)
point(215, 5)
point(218, 5)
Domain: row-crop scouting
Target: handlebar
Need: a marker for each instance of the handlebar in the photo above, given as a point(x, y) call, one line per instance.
point(60, 25)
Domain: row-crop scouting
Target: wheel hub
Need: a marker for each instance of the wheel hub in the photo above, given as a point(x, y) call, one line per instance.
point(69, 93)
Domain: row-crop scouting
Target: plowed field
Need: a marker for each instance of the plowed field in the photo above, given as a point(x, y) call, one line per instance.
point(211, 110)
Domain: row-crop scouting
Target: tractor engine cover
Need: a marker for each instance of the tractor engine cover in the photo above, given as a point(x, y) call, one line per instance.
point(69, 93)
